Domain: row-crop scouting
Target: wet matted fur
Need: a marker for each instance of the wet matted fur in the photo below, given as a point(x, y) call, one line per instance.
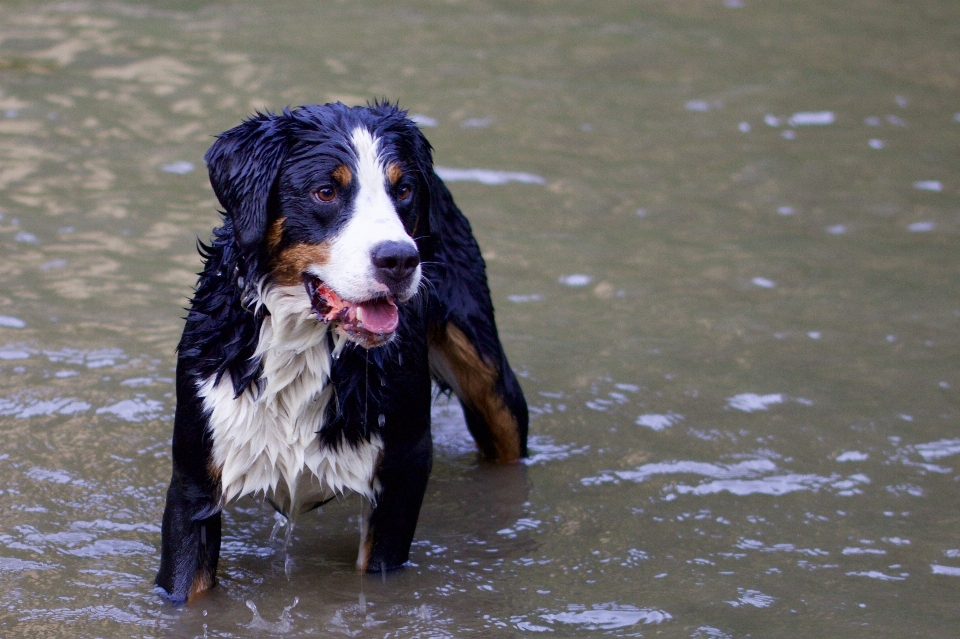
point(342, 280)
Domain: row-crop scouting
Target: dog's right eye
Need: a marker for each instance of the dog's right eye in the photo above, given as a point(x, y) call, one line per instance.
point(325, 193)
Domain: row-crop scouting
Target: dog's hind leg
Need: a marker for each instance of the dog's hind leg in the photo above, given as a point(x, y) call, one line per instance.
point(465, 350)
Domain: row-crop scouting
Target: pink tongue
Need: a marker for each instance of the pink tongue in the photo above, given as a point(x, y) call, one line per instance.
point(379, 316)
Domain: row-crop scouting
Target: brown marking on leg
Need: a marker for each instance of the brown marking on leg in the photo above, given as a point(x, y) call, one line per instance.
point(394, 172)
point(342, 175)
point(290, 264)
point(476, 384)
point(202, 582)
point(366, 542)
point(274, 235)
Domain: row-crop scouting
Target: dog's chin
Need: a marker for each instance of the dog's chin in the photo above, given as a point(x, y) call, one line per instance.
point(369, 323)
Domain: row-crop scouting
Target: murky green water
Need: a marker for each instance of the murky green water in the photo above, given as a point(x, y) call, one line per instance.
point(733, 300)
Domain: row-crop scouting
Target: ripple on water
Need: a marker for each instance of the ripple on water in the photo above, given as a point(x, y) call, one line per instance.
point(852, 456)
point(812, 118)
point(750, 402)
point(97, 358)
point(929, 452)
point(659, 422)
point(604, 617)
point(577, 279)
point(180, 167)
point(876, 574)
point(12, 564)
point(6, 321)
point(642, 473)
point(134, 410)
point(753, 598)
point(779, 485)
point(108, 547)
point(12, 353)
point(743, 478)
point(763, 282)
point(86, 614)
point(487, 176)
point(24, 409)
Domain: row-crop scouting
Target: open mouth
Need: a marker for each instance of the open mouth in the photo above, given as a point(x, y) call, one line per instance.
point(369, 323)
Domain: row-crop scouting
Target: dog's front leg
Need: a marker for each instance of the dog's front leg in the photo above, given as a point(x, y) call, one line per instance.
point(190, 541)
point(190, 535)
point(403, 475)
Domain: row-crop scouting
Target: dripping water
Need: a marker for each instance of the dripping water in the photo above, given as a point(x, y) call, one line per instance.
point(363, 596)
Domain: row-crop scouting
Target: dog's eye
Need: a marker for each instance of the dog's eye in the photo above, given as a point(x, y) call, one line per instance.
point(326, 193)
point(404, 193)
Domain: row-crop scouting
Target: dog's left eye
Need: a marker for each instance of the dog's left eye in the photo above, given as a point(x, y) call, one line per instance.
point(404, 193)
point(326, 193)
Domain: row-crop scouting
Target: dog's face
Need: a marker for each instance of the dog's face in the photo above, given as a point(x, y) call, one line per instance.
point(345, 200)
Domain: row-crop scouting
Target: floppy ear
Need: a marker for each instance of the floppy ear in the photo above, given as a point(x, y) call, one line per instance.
point(244, 163)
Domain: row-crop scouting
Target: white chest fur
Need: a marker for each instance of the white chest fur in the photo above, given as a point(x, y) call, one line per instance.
point(267, 442)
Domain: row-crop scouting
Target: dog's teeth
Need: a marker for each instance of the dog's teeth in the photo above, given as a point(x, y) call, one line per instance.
point(359, 314)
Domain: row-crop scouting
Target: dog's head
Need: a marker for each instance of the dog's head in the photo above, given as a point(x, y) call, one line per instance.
point(331, 198)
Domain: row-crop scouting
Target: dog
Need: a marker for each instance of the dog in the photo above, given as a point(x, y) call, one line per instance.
point(342, 283)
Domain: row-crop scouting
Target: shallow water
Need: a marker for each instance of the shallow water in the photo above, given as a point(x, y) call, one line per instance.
point(721, 238)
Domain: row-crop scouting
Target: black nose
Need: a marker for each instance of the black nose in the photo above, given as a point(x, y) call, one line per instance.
point(395, 263)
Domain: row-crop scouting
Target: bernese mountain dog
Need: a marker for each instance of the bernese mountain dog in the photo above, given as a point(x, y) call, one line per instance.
point(341, 283)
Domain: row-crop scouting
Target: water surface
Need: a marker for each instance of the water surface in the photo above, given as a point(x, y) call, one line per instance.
point(721, 238)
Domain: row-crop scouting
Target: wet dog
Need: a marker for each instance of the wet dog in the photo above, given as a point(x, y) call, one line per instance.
point(342, 280)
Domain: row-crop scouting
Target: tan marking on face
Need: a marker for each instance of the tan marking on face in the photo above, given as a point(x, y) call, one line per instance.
point(342, 175)
point(394, 172)
point(477, 380)
point(290, 264)
point(275, 234)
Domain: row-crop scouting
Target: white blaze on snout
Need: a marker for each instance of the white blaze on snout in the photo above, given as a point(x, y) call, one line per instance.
point(373, 220)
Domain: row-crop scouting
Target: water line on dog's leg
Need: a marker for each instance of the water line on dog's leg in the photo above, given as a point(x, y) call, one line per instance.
point(363, 596)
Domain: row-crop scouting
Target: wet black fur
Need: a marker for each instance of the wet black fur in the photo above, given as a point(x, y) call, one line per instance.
point(257, 170)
